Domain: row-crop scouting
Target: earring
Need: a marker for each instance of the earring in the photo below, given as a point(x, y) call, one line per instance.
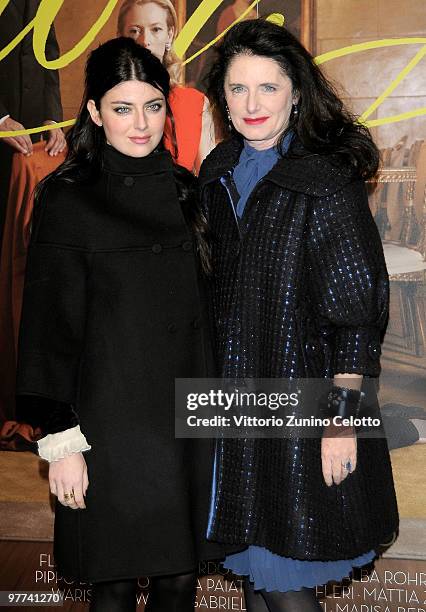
point(168, 46)
point(295, 110)
point(229, 118)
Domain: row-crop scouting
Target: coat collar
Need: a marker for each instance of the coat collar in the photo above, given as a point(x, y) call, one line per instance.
point(117, 163)
point(299, 170)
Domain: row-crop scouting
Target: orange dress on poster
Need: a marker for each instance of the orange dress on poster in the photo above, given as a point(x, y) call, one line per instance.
point(187, 106)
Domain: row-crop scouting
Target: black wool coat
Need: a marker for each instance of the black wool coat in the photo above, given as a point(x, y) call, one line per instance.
point(300, 289)
point(112, 314)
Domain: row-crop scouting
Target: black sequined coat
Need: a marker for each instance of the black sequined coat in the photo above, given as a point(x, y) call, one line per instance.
point(300, 289)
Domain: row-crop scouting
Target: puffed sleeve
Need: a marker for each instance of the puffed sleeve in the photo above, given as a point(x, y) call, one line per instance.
point(52, 325)
point(347, 278)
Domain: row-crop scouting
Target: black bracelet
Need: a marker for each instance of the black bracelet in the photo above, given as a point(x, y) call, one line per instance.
point(344, 402)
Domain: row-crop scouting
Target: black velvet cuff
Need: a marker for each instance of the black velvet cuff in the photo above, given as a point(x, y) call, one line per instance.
point(344, 402)
point(49, 415)
point(357, 350)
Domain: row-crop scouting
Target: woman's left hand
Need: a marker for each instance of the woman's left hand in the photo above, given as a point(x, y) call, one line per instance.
point(338, 448)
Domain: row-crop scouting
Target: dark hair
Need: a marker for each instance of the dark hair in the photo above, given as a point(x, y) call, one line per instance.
point(118, 60)
point(322, 123)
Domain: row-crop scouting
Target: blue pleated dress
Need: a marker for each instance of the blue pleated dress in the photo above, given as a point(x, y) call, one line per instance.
point(265, 569)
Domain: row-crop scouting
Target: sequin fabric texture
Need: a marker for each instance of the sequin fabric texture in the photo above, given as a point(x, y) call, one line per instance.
point(300, 289)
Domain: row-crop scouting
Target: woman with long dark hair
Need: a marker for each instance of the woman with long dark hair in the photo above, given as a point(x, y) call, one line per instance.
point(299, 290)
point(112, 314)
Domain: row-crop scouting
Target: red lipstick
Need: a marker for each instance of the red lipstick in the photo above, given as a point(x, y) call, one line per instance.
point(255, 121)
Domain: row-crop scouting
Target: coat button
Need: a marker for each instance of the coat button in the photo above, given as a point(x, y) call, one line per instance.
point(157, 248)
point(171, 328)
point(187, 246)
point(374, 349)
point(196, 323)
point(129, 181)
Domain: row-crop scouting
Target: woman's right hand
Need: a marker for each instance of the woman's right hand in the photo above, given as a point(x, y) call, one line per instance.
point(69, 476)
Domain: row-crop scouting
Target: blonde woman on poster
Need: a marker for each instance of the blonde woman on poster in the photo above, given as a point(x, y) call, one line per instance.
point(112, 314)
point(153, 24)
point(299, 290)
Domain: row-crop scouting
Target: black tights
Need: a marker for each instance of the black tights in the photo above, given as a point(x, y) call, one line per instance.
point(172, 593)
point(167, 594)
point(117, 596)
point(275, 601)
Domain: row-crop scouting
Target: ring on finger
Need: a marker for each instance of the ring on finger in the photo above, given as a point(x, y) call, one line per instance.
point(347, 465)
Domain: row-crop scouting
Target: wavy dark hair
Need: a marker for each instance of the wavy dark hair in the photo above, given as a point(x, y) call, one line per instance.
point(118, 60)
point(323, 124)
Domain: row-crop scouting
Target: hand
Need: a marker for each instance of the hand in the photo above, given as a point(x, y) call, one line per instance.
point(69, 475)
point(56, 142)
point(338, 446)
point(22, 144)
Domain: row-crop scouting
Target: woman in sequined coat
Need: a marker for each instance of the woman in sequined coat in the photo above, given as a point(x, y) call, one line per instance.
point(300, 289)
